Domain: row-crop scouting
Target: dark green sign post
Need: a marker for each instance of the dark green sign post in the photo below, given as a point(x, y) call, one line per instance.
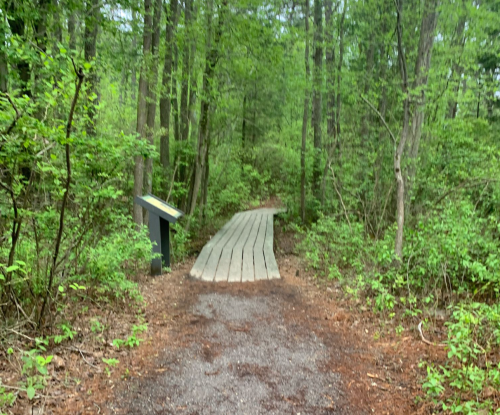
point(161, 215)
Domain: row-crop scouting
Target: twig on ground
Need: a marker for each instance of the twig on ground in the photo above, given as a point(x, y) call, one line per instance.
point(85, 360)
point(427, 341)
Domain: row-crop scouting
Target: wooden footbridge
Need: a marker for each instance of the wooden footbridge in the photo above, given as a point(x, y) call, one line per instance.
point(241, 251)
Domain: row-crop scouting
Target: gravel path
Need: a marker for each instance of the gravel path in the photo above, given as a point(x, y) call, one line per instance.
point(246, 359)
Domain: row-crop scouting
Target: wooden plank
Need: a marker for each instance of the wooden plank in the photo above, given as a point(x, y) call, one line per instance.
point(258, 250)
point(237, 256)
point(271, 265)
point(202, 259)
point(225, 259)
point(213, 259)
point(247, 270)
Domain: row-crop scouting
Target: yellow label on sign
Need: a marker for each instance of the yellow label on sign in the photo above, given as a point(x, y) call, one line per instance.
point(162, 206)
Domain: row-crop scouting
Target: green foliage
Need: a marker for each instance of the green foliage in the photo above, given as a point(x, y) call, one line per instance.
point(132, 340)
point(473, 369)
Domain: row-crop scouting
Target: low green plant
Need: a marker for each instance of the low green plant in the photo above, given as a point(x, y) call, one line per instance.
point(132, 340)
point(110, 363)
point(464, 384)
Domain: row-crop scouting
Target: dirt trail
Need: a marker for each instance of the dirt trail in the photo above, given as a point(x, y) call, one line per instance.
point(248, 358)
point(270, 347)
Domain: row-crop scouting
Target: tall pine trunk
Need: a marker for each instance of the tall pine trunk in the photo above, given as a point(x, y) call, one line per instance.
point(422, 67)
point(142, 107)
point(166, 97)
point(317, 95)
point(92, 15)
point(186, 70)
point(305, 120)
point(151, 101)
point(212, 57)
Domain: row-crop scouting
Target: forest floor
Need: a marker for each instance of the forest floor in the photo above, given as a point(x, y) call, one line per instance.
point(287, 346)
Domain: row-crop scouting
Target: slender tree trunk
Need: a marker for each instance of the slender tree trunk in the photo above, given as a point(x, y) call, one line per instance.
point(92, 18)
point(457, 69)
point(422, 66)
point(166, 99)
point(142, 106)
point(4, 69)
point(244, 125)
point(186, 69)
point(17, 27)
point(399, 150)
point(331, 131)
point(317, 95)
point(193, 80)
point(175, 96)
point(305, 119)
point(151, 101)
point(211, 60)
point(133, 63)
point(72, 29)
point(330, 71)
point(56, 8)
point(339, 77)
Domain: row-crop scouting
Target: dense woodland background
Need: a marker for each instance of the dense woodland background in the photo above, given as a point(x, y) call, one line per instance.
point(376, 122)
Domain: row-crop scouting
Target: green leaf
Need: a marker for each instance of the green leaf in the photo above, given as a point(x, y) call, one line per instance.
point(30, 392)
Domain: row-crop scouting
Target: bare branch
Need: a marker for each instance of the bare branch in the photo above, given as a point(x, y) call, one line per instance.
point(381, 119)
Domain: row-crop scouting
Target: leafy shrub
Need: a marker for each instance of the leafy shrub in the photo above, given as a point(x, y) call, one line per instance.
point(468, 381)
point(114, 259)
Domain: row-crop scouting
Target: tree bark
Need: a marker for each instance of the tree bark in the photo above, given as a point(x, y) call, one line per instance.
point(186, 70)
point(398, 153)
point(166, 98)
point(92, 17)
point(175, 98)
point(305, 119)
point(244, 124)
point(72, 29)
point(4, 69)
point(422, 66)
point(211, 60)
point(457, 69)
point(17, 27)
point(317, 94)
point(151, 101)
point(142, 107)
point(330, 71)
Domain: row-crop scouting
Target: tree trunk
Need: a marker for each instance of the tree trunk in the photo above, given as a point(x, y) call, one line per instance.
point(4, 69)
point(91, 29)
point(186, 69)
point(399, 150)
point(305, 120)
point(244, 125)
point(317, 94)
point(142, 107)
point(133, 66)
point(330, 71)
point(166, 98)
point(72, 29)
point(17, 27)
point(56, 6)
point(457, 70)
point(422, 66)
point(151, 101)
point(175, 97)
point(211, 60)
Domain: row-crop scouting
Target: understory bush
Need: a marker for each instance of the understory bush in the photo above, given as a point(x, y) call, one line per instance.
point(451, 259)
point(470, 381)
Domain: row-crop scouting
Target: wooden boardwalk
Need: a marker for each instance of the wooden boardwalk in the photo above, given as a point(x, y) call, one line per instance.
point(241, 251)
